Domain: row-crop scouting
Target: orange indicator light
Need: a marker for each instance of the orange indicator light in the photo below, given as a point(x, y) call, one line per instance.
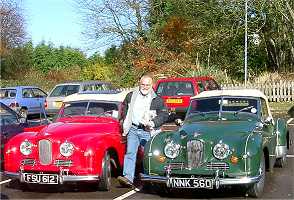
point(234, 160)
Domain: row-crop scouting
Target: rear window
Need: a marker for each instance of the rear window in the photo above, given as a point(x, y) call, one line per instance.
point(175, 88)
point(7, 93)
point(64, 90)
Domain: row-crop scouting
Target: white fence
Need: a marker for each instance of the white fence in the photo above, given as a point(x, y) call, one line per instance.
point(275, 91)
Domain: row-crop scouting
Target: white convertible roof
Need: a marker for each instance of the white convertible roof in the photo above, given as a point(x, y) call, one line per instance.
point(238, 92)
point(112, 96)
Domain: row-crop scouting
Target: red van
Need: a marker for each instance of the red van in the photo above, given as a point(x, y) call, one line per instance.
point(176, 92)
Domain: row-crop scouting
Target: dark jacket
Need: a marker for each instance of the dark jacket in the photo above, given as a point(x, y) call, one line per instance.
point(156, 104)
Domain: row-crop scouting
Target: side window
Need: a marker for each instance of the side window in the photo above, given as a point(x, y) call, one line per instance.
point(200, 86)
point(264, 111)
point(39, 93)
point(212, 85)
point(71, 89)
point(94, 87)
point(206, 85)
point(27, 93)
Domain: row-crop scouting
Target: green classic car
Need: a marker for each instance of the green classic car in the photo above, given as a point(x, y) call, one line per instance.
point(228, 137)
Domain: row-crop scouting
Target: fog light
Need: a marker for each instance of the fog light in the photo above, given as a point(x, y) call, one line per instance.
point(161, 158)
point(234, 160)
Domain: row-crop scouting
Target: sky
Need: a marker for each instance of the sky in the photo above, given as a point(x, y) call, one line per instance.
point(53, 21)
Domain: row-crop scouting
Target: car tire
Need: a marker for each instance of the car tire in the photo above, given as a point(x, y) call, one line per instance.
point(281, 162)
point(105, 181)
point(256, 190)
point(162, 190)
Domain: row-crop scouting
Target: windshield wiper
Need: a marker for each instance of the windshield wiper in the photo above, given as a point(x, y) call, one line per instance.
point(243, 109)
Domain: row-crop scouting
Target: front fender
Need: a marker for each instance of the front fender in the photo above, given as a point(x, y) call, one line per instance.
point(96, 148)
point(153, 151)
point(252, 153)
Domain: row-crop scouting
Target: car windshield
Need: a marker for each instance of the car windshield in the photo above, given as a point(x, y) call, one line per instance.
point(224, 104)
point(90, 109)
point(64, 90)
point(7, 93)
point(175, 88)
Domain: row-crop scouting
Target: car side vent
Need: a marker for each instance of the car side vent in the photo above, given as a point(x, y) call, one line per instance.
point(217, 166)
point(63, 163)
point(195, 153)
point(45, 152)
point(28, 161)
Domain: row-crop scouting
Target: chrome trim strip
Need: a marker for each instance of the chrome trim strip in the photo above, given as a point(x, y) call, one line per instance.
point(73, 178)
point(64, 178)
point(245, 151)
point(221, 181)
point(281, 151)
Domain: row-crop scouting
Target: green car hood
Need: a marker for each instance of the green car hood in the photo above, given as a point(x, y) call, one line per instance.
point(217, 130)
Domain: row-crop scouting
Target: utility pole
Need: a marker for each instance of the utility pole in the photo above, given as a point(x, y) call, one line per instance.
point(246, 38)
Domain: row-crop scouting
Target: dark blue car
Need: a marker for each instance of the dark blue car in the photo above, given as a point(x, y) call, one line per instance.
point(11, 123)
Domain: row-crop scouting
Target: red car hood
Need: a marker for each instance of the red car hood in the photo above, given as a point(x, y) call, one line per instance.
point(73, 128)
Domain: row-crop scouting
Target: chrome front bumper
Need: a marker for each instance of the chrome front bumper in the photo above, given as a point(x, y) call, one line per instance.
point(217, 180)
point(62, 177)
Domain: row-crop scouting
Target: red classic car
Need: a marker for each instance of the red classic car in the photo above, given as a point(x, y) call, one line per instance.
point(83, 144)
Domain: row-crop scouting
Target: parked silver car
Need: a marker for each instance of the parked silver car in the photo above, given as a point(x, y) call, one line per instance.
point(60, 91)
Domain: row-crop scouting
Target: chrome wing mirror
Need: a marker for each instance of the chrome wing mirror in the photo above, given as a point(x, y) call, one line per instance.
point(269, 121)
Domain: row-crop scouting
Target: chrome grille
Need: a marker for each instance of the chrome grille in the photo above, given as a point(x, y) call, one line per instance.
point(217, 166)
point(195, 153)
point(64, 163)
point(28, 162)
point(45, 152)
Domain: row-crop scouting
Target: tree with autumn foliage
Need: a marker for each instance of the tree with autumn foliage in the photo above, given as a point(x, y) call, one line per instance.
point(13, 34)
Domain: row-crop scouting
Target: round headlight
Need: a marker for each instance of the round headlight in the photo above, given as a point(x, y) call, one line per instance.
point(221, 151)
point(66, 149)
point(26, 148)
point(172, 150)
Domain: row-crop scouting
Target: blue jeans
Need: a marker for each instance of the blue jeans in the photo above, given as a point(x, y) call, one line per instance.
point(134, 138)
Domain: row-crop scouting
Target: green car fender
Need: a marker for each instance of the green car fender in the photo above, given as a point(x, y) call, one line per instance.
point(153, 149)
point(253, 150)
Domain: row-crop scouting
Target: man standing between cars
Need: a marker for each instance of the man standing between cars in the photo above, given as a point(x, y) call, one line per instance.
point(143, 113)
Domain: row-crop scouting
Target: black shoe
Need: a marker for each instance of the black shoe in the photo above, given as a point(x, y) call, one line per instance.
point(124, 182)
